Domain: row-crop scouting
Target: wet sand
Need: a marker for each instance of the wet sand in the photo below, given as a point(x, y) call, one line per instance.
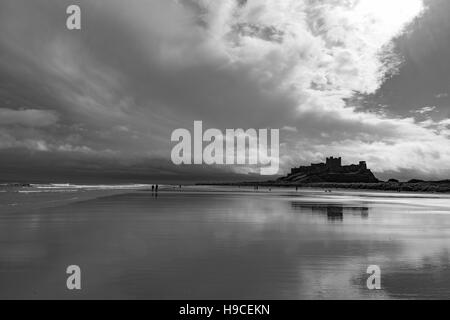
point(224, 243)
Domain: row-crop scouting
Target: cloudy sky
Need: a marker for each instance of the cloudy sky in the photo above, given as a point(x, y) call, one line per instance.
point(362, 79)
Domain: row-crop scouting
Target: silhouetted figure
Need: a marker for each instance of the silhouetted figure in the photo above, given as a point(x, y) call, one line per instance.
point(156, 188)
point(153, 188)
point(296, 188)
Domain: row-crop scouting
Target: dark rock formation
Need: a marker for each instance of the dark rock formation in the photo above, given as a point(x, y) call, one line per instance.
point(331, 171)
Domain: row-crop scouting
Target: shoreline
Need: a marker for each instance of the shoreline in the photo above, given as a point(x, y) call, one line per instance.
point(415, 187)
point(391, 186)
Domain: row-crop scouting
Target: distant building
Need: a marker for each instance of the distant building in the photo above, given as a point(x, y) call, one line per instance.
point(331, 171)
point(333, 165)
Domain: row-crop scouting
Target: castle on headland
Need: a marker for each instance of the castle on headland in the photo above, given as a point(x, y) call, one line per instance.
point(332, 164)
point(331, 171)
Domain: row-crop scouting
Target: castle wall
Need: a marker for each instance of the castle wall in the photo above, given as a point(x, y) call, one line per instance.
point(332, 165)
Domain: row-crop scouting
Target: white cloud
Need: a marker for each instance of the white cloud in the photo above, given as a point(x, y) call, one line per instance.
point(289, 129)
point(441, 95)
point(323, 52)
point(426, 109)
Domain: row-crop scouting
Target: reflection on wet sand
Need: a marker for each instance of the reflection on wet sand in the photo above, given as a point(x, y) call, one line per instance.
point(333, 212)
point(227, 244)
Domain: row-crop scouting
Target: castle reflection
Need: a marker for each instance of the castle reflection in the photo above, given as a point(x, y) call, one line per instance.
point(333, 212)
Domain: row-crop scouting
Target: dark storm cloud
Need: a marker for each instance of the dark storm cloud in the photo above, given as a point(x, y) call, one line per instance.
point(423, 80)
point(117, 89)
point(29, 117)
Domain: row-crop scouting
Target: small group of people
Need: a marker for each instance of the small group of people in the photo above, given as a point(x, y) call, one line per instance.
point(155, 188)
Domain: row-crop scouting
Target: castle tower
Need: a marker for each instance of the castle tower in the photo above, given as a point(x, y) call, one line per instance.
point(363, 165)
point(334, 164)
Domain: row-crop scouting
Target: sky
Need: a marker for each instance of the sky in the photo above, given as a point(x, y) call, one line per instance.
point(361, 79)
